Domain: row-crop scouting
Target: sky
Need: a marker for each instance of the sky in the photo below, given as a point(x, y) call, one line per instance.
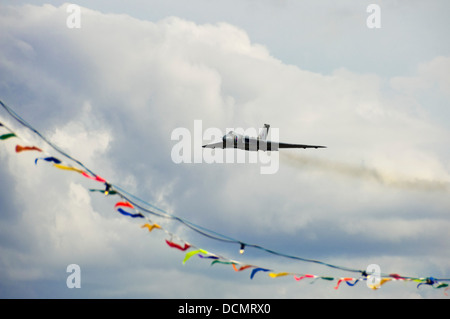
point(112, 92)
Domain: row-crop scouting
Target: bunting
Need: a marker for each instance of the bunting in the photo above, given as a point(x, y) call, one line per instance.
point(68, 168)
point(124, 204)
point(241, 268)
point(130, 206)
point(188, 255)
point(95, 177)
point(254, 271)
point(48, 159)
point(123, 212)
point(150, 227)
point(104, 191)
point(177, 246)
point(304, 276)
point(6, 136)
point(280, 274)
point(20, 148)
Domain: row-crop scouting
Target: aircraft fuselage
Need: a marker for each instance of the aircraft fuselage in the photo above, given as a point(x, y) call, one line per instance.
point(233, 140)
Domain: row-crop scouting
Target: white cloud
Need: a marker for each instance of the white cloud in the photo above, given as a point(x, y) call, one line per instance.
point(110, 94)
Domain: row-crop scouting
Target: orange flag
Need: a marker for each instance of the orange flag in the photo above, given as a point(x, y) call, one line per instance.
point(151, 227)
point(20, 148)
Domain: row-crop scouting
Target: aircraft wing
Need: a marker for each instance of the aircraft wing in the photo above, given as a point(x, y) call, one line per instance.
point(214, 145)
point(287, 145)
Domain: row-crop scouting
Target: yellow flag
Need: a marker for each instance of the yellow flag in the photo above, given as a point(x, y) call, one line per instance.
point(382, 282)
point(151, 227)
point(192, 253)
point(68, 168)
point(280, 274)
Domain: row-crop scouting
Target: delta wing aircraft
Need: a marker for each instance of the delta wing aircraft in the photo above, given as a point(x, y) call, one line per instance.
point(247, 143)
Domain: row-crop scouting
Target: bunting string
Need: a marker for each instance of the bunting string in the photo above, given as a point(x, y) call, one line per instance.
point(131, 206)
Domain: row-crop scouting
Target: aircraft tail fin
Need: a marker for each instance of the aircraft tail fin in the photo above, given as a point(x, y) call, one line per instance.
point(264, 132)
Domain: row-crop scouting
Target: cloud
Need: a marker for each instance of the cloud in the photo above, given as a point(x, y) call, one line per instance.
point(111, 93)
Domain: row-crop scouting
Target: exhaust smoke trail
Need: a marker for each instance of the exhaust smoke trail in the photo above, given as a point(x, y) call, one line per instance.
point(366, 173)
